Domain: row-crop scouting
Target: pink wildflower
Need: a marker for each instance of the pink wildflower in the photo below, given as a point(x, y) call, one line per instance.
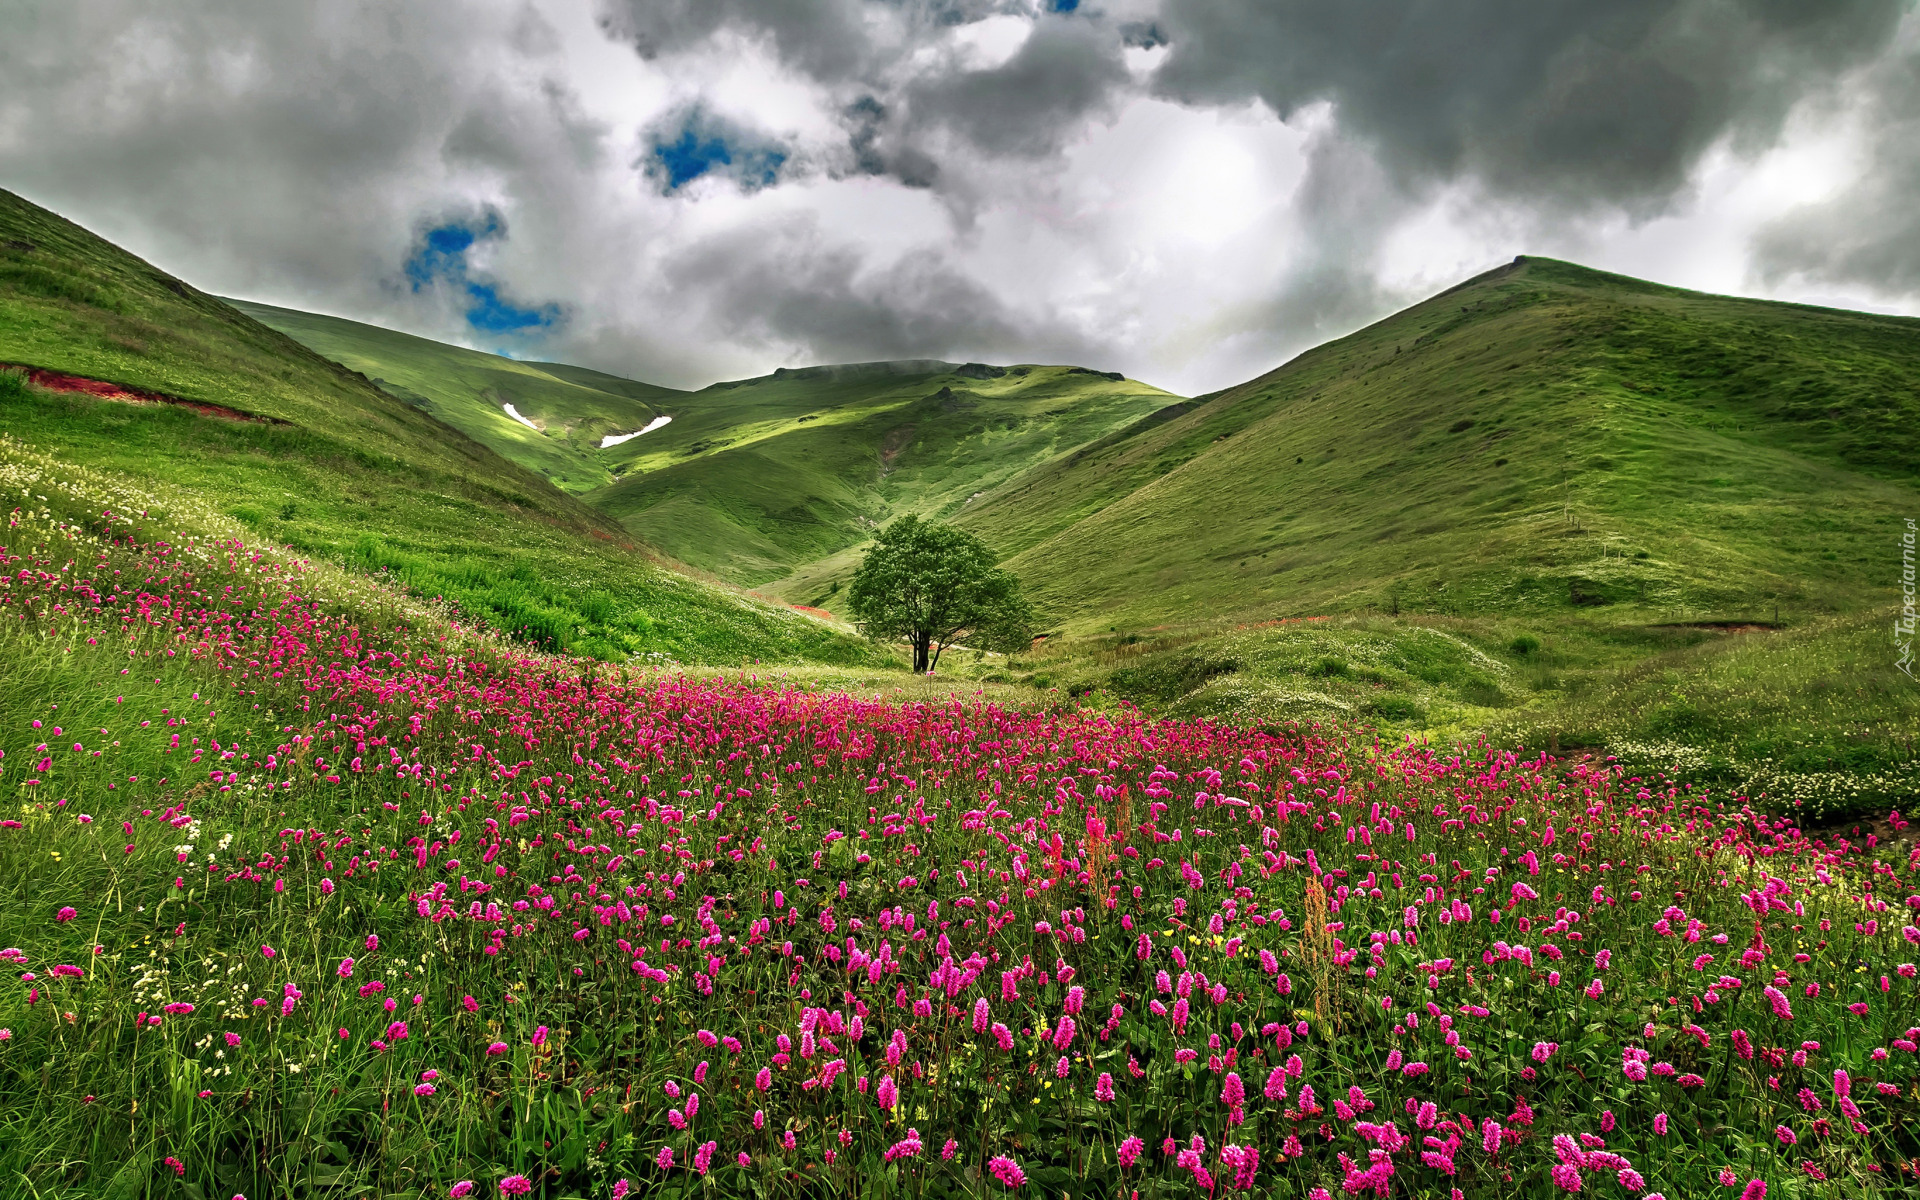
point(1233, 1093)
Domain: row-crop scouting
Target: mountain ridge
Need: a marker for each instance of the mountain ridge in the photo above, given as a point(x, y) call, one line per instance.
point(341, 469)
point(1536, 345)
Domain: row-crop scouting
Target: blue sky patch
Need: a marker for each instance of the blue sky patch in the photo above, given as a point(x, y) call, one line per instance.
point(440, 257)
point(691, 157)
point(494, 315)
point(695, 143)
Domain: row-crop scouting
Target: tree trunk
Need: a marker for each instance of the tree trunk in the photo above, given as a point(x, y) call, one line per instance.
point(920, 644)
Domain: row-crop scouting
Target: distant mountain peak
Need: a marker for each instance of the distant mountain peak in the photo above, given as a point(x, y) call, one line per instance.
point(866, 370)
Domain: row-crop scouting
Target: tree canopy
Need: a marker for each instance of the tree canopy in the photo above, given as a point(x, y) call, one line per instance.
point(933, 585)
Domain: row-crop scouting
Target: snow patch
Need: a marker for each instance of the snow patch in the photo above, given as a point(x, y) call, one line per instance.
point(515, 414)
point(615, 439)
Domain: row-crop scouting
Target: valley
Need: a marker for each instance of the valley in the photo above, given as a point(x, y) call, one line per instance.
point(1531, 507)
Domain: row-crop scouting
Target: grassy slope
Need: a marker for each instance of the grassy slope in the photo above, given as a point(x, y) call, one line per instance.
point(1814, 718)
point(1721, 454)
point(574, 407)
point(1540, 436)
point(355, 474)
point(756, 478)
point(1640, 461)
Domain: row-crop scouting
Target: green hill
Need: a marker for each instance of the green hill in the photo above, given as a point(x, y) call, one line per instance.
point(574, 408)
point(756, 478)
point(1552, 506)
point(312, 455)
point(1543, 437)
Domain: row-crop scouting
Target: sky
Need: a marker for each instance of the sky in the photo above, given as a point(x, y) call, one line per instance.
point(1189, 191)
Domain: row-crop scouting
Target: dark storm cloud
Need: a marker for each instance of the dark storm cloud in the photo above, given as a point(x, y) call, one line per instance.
point(1569, 102)
point(1573, 102)
point(1064, 73)
point(876, 148)
point(1870, 232)
point(828, 40)
point(903, 115)
point(1554, 109)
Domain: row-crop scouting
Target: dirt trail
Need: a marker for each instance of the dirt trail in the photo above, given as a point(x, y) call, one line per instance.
point(60, 381)
point(1721, 626)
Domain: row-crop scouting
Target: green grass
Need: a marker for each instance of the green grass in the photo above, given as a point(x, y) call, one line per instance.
point(1814, 720)
point(1542, 439)
point(349, 473)
point(1520, 506)
point(468, 389)
point(222, 854)
point(753, 478)
point(757, 478)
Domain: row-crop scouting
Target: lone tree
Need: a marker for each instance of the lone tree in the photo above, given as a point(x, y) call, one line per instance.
point(934, 585)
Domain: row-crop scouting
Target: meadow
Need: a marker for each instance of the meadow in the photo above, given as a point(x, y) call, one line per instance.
point(1605, 472)
point(1811, 719)
point(310, 887)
